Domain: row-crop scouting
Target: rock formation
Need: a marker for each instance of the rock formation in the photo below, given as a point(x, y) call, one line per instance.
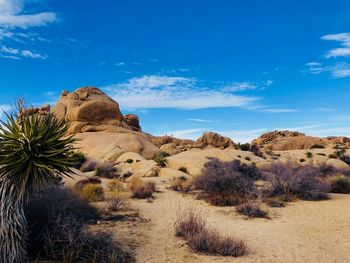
point(215, 139)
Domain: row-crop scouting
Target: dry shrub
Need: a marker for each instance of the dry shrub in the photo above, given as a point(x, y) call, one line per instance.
point(91, 193)
point(106, 171)
point(115, 185)
point(142, 189)
point(227, 183)
point(56, 220)
point(274, 202)
point(183, 169)
point(81, 183)
point(79, 159)
point(181, 184)
point(251, 209)
point(117, 202)
point(88, 166)
point(340, 184)
point(191, 226)
point(160, 158)
point(290, 179)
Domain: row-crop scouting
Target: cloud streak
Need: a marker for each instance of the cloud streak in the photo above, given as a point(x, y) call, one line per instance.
point(154, 91)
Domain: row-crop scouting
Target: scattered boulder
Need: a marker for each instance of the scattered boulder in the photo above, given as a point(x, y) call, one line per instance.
point(215, 139)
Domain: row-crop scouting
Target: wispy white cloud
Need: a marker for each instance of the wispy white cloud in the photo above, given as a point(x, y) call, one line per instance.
point(12, 15)
point(239, 86)
point(337, 70)
point(155, 91)
point(16, 53)
point(192, 134)
point(344, 41)
point(202, 120)
point(279, 110)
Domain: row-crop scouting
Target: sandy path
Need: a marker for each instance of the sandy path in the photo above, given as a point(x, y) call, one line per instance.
point(301, 232)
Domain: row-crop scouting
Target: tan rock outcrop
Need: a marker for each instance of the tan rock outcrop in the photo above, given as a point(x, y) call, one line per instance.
point(133, 121)
point(288, 140)
point(215, 139)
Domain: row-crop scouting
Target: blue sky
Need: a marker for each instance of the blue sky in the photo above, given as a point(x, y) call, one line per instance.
point(240, 68)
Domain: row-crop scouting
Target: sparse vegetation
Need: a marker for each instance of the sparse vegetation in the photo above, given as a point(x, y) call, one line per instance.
point(91, 193)
point(308, 155)
point(227, 183)
point(117, 202)
point(34, 152)
point(129, 161)
point(191, 226)
point(142, 189)
point(56, 218)
point(88, 166)
point(290, 180)
point(160, 158)
point(81, 183)
point(340, 184)
point(115, 185)
point(106, 171)
point(251, 209)
point(302, 160)
point(181, 184)
point(247, 158)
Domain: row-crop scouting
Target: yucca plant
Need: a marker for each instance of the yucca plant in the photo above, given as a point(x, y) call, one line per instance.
point(34, 152)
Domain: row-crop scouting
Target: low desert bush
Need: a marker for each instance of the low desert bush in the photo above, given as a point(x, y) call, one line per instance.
point(56, 219)
point(160, 158)
point(91, 193)
point(142, 189)
point(332, 156)
point(326, 169)
point(340, 184)
point(247, 158)
point(88, 166)
point(251, 209)
point(183, 169)
point(117, 202)
point(181, 184)
point(274, 202)
point(129, 161)
point(227, 182)
point(81, 183)
point(79, 158)
point(106, 171)
point(115, 185)
point(291, 179)
point(191, 226)
point(308, 155)
point(302, 160)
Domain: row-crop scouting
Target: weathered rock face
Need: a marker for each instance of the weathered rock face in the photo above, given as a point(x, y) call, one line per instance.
point(88, 106)
point(174, 145)
point(133, 121)
point(215, 139)
point(288, 140)
point(339, 140)
point(102, 131)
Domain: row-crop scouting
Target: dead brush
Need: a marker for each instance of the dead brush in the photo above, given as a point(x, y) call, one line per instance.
point(192, 227)
point(142, 189)
point(117, 202)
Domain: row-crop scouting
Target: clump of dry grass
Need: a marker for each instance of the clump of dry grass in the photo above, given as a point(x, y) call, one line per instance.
point(88, 166)
point(117, 202)
point(251, 209)
point(340, 184)
point(191, 226)
point(106, 171)
point(181, 184)
point(81, 183)
point(91, 193)
point(115, 185)
point(142, 189)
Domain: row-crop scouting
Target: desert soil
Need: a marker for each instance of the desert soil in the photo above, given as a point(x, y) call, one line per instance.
point(303, 231)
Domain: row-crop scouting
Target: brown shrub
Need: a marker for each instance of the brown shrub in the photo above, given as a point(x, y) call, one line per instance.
point(106, 171)
point(81, 183)
point(181, 184)
point(200, 238)
point(340, 184)
point(91, 193)
point(56, 219)
point(117, 202)
point(115, 185)
point(251, 209)
point(141, 189)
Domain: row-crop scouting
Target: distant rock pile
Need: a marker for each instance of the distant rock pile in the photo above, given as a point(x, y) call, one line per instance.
point(292, 140)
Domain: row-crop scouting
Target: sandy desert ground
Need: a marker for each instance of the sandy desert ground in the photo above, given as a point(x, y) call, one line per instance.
point(303, 231)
